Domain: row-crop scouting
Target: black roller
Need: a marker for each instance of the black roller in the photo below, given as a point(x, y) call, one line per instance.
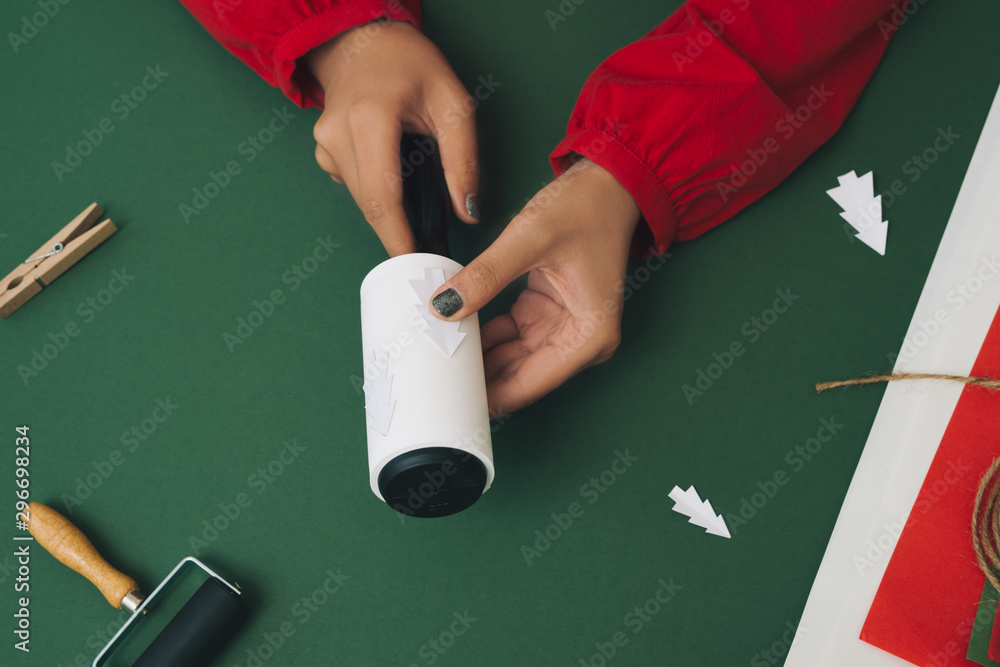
point(199, 631)
point(425, 193)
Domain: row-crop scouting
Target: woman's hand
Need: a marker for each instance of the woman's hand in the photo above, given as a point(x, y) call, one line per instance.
point(394, 80)
point(573, 237)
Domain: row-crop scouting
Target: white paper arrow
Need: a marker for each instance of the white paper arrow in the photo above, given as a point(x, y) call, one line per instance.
point(699, 511)
point(378, 396)
point(445, 335)
point(862, 210)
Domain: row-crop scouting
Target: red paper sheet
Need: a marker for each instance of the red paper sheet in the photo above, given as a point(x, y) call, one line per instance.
point(926, 603)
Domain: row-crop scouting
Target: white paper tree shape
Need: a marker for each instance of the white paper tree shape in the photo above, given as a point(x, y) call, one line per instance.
point(862, 210)
point(445, 335)
point(378, 396)
point(701, 514)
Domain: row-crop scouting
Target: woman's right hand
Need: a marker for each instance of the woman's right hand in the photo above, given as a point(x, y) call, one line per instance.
point(380, 80)
point(572, 239)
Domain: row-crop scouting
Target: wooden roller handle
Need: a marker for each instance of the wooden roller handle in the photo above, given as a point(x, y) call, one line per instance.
point(72, 548)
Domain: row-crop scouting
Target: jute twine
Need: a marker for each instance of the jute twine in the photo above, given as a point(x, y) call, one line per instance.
point(986, 509)
point(988, 383)
point(986, 524)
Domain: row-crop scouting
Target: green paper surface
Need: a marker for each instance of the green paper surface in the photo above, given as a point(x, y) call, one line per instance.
point(982, 627)
point(166, 438)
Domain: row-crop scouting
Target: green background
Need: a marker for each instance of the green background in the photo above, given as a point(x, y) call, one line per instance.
point(161, 338)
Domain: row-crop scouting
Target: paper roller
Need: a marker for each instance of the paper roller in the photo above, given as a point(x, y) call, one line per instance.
point(192, 638)
point(430, 452)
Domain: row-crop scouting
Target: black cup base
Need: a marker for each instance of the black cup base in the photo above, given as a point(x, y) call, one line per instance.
point(432, 482)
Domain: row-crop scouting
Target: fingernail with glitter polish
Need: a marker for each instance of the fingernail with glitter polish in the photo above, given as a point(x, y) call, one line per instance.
point(472, 206)
point(447, 302)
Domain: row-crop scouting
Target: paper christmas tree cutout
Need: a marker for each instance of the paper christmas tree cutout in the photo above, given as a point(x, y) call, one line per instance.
point(378, 396)
point(862, 210)
point(701, 514)
point(445, 335)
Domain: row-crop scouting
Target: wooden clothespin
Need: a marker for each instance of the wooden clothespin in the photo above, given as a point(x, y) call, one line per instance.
point(50, 261)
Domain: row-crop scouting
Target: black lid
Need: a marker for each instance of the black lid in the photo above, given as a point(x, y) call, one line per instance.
point(434, 481)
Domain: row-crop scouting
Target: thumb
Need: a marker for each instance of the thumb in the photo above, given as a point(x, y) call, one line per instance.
point(511, 256)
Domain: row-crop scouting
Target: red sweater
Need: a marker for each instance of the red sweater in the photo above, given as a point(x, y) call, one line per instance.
point(697, 120)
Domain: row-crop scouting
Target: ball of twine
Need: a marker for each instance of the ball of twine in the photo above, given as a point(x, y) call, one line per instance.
point(986, 524)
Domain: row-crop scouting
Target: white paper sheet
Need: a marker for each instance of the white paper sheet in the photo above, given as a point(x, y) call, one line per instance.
point(954, 312)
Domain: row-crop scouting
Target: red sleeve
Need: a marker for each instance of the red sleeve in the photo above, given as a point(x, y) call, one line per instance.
point(271, 35)
point(722, 101)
